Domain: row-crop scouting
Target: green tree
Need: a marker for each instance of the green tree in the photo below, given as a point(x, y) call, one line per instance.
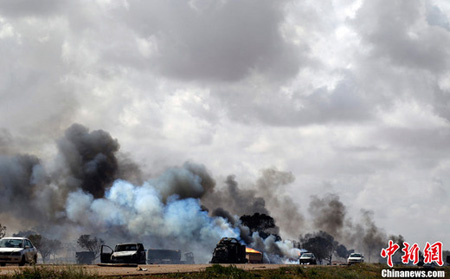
point(261, 223)
point(321, 244)
point(45, 246)
point(91, 244)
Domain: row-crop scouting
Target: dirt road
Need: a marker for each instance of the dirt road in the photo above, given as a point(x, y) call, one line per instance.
point(142, 269)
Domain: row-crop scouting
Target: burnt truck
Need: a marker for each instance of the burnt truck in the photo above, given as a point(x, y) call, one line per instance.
point(85, 257)
point(163, 256)
point(124, 253)
point(229, 250)
point(166, 256)
point(253, 256)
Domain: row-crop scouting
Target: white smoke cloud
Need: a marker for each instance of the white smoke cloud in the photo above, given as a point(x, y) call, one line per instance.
point(140, 211)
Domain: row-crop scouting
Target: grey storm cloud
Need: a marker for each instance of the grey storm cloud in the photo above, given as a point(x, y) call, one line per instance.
point(30, 8)
point(222, 40)
point(394, 32)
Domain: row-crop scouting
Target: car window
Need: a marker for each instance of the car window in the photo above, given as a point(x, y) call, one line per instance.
point(11, 243)
point(126, 247)
point(28, 243)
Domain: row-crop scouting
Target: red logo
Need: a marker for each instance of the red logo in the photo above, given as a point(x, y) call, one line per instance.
point(410, 253)
point(432, 253)
point(389, 252)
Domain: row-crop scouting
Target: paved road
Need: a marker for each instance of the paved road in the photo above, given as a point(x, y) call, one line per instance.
point(143, 269)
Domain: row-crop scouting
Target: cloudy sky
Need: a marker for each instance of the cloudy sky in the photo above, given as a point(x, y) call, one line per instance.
point(352, 97)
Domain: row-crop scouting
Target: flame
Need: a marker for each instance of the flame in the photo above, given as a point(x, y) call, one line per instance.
point(251, 251)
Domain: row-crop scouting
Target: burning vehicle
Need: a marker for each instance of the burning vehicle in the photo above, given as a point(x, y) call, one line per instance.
point(127, 253)
point(17, 250)
point(229, 250)
point(189, 258)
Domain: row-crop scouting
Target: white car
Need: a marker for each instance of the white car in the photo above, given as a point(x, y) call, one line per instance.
point(307, 258)
point(355, 258)
point(17, 250)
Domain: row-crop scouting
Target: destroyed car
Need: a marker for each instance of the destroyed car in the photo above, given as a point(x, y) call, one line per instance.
point(355, 258)
point(163, 256)
point(17, 250)
point(85, 257)
point(307, 258)
point(123, 253)
point(229, 250)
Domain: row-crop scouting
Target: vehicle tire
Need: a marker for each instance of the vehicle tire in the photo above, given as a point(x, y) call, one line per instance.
point(34, 262)
point(22, 261)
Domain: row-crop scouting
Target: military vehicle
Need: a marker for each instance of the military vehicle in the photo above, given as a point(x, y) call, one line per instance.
point(253, 256)
point(85, 257)
point(163, 256)
point(229, 250)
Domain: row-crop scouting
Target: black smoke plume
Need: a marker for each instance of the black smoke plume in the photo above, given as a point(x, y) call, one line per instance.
point(328, 214)
point(90, 157)
point(234, 199)
point(19, 182)
point(266, 196)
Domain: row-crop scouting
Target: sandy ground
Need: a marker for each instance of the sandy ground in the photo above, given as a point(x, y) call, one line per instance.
point(144, 269)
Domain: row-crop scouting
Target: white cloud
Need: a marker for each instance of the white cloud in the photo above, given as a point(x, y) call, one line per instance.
point(412, 115)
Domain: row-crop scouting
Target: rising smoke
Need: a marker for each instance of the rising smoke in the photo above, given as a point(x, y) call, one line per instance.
point(18, 182)
point(92, 188)
point(329, 215)
point(90, 159)
point(267, 192)
point(238, 201)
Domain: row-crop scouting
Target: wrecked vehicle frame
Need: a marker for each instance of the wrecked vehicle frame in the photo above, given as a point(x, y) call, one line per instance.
point(123, 253)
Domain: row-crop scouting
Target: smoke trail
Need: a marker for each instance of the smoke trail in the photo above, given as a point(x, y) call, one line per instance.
point(27, 191)
point(328, 214)
point(234, 199)
point(5, 141)
point(374, 239)
point(189, 181)
point(281, 206)
point(266, 196)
